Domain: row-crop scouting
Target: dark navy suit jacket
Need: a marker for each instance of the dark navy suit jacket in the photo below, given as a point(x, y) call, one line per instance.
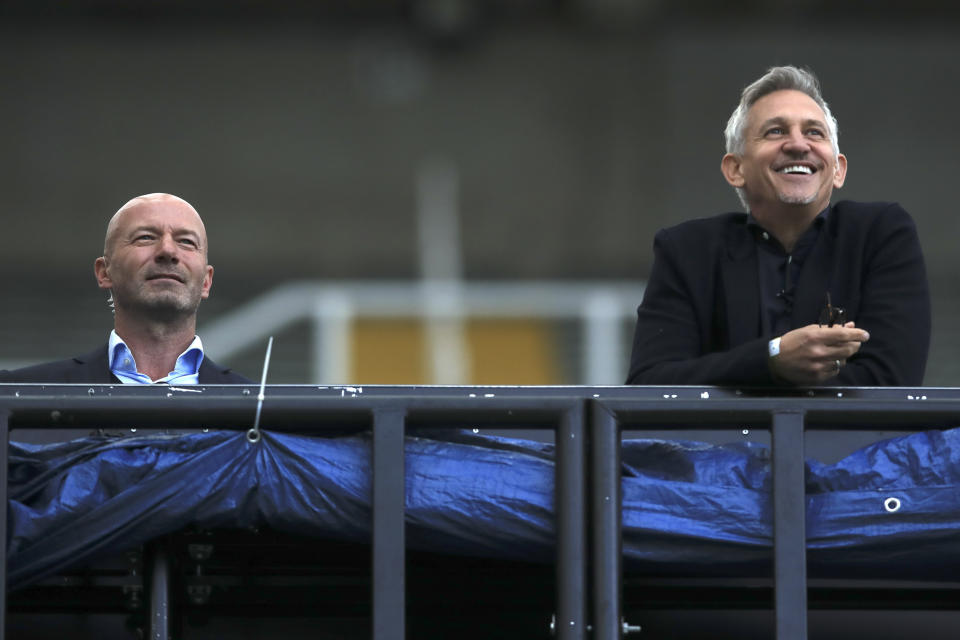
point(94, 368)
point(699, 321)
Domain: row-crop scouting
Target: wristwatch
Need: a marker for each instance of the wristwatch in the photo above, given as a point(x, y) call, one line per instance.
point(773, 347)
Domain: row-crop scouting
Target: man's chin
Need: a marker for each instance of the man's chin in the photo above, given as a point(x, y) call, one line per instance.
point(799, 200)
point(162, 307)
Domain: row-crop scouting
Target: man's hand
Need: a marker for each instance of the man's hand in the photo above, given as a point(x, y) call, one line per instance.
point(813, 354)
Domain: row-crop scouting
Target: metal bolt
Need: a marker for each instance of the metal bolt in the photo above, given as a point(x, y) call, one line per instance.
point(200, 552)
point(629, 628)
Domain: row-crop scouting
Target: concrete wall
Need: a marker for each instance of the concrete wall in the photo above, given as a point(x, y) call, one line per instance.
point(300, 142)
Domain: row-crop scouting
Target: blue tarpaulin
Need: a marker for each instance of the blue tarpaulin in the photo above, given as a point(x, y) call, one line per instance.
point(688, 507)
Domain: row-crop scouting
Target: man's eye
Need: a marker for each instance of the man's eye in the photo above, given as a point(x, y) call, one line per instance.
point(145, 237)
point(188, 242)
point(774, 131)
point(817, 133)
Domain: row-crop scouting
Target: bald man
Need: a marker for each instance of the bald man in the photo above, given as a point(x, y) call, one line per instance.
point(154, 264)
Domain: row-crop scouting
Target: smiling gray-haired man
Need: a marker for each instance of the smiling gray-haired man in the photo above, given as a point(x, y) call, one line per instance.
point(154, 264)
point(796, 291)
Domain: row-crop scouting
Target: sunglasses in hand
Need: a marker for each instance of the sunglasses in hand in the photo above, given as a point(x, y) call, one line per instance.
point(831, 315)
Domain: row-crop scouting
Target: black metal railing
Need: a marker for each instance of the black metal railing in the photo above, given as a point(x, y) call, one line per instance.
point(587, 423)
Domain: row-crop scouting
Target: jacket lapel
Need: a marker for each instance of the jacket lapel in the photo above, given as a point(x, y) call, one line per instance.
point(212, 373)
point(96, 366)
point(741, 285)
point(207, 374)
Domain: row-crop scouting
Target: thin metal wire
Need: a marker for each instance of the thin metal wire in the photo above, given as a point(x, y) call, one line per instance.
point(253, 435)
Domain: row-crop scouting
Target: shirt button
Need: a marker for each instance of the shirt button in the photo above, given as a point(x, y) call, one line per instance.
point(766, 236)
point(126, 361)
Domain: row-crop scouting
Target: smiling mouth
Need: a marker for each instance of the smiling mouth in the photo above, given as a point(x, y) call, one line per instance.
point(797, 169)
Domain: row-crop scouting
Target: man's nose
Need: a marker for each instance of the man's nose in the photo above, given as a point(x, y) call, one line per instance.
point(796, 142)
point(167, 249)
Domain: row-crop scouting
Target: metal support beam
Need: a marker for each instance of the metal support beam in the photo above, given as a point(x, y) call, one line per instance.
point(789, 525)
point(571, 525)
point(5, 443)
point(159, 562)
point(388, 525)
point(607, 524)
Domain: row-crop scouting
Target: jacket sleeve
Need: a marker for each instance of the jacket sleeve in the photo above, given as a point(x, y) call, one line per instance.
point(894, 307)
point(668, 344)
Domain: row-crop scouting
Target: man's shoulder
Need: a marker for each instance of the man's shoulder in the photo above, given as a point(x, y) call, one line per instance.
point(94, 368)
point(853, 212)
point(706, 228)
point(213, 373)
point(91, 367)
point(712, 222)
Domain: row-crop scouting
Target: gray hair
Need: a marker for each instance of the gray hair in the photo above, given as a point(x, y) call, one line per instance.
point(776, 79)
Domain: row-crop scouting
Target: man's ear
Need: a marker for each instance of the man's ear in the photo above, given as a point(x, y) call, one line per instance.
point(207, 283)
point(731, 168)
point(840, 174)
point(102, 273)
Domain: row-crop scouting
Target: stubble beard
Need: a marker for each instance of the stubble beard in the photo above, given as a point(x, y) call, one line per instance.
point(161, 306)
point(798, 200)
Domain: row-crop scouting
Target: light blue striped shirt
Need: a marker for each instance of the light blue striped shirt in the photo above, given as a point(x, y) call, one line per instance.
point(123, 365)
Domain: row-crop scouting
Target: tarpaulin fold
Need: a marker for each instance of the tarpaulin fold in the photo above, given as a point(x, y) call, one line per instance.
point(688, 507)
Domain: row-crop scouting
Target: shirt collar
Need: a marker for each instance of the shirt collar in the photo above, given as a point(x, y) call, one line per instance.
point(124, 366)
point(759, 232)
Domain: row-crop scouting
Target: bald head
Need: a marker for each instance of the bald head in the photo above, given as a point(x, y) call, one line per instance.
point(154, 261)
point(157, 203)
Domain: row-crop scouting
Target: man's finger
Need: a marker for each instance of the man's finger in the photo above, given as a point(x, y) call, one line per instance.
point(836, 336)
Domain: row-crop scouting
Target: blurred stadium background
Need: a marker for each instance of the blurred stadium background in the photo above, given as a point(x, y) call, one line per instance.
point(435, 191)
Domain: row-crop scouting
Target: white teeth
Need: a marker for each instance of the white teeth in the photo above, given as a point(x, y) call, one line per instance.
point(796, 168)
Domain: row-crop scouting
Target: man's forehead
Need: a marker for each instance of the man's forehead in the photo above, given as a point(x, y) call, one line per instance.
point(156, 210)
point(787, 104)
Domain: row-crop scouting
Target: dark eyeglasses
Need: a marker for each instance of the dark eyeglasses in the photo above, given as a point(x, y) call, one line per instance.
point(831, 315)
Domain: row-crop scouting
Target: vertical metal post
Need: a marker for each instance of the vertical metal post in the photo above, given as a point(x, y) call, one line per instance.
point(388, 525)
point(5, 442)
point(571, 529)
point(332, 316)
point(159, 563)
point(603, 348)
point(789, 525)
point(607, 524)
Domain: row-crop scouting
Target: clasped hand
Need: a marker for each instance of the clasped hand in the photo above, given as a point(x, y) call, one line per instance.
point(813, 354)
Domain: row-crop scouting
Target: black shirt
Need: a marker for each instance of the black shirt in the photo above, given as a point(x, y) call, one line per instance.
point(778, 272)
